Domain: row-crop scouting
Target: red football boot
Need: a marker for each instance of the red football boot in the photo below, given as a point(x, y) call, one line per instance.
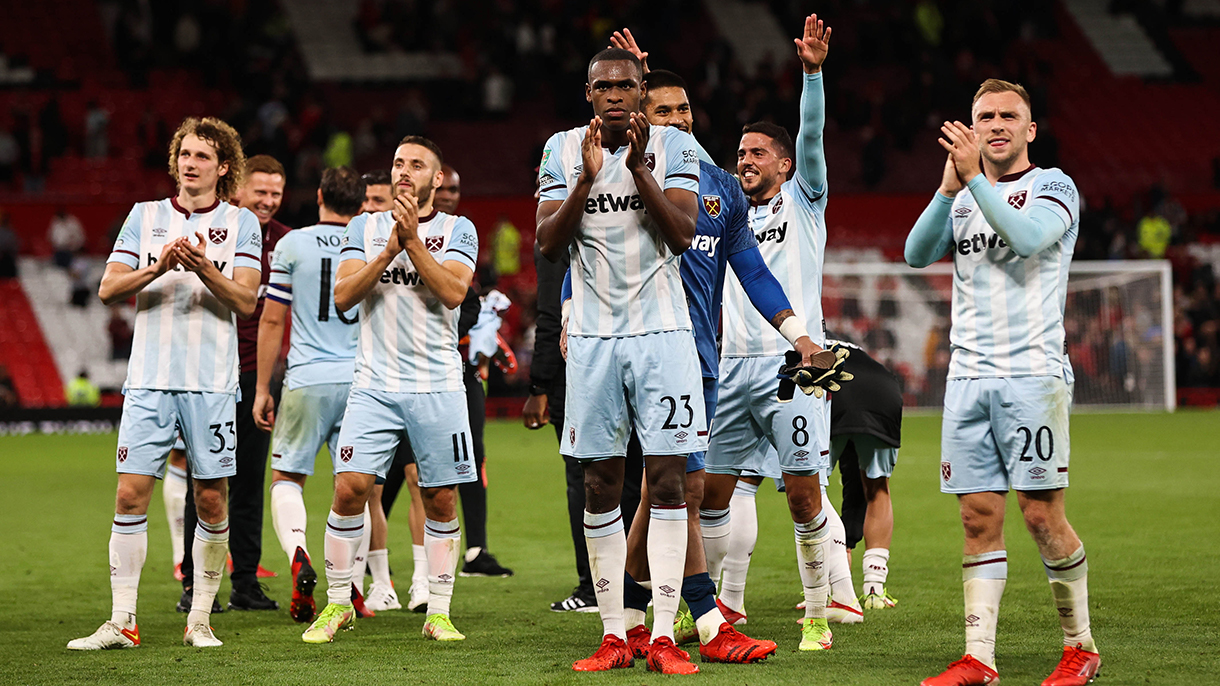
point(358, 604)
point(667, 658)
point(731, 616)
point(613, 653)
point(304, 579)
point(1076, 668)
point(965, 672)
point(730, 645)
point(638, 639)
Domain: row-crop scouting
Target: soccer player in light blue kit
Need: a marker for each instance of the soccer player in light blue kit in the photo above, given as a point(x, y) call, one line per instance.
point(409, 270)
point(787, 217)
point(321, 362)
point(1011, 228)
point(193, 263)
point(622, 196)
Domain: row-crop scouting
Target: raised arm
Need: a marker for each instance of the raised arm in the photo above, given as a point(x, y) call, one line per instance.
point(811, 48)
point(561, 207)
point(932, 236)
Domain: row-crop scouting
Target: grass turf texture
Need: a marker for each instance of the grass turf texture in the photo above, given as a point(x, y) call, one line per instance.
point(1142, 498)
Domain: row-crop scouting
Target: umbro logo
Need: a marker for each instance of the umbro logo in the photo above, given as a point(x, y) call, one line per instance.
point(1037, 471)
point(801, 453)
point(667, 590)
point(962, 212)
point(602, 584)
point(972, 620)
point(813, 564)
point(445, 578)
point(345, 453)
point(379, 242)
point(1065, 612)
point(681, 435)
point(211, 574)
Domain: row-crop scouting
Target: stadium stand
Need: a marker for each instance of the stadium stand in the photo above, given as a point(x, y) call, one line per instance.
point(319, 83)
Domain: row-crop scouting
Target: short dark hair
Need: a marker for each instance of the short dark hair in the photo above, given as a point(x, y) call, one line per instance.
point(778, 134)
point(663, 78)
point(377, 177)
point(427, 143)
point(616, 55)
point(342, 191)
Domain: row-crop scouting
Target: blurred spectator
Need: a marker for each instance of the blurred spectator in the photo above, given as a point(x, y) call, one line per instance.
point(10, 246)
point(1155, 233)
point(81, 392)
point(8, 392)
point(97, 131)
point(82, 286)
point(506, 247)
point(120, 332)
point(66, 236)
point(9, 155)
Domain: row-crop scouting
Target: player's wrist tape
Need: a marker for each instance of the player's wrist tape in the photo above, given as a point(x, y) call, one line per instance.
point(792, 329)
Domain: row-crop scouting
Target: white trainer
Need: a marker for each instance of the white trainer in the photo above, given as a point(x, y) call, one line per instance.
point(381, 598)
point(418, 600)
point(201, 636)
point(109, 636)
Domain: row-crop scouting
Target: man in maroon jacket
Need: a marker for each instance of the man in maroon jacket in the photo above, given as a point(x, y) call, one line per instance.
point(262, 193)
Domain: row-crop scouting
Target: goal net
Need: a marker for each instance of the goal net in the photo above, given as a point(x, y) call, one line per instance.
point(1118, 321)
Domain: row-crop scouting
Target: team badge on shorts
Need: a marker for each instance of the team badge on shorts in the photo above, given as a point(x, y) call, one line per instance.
point(1017, 200)
point(650, 161)
point(711, 203)
point(946, 471)
point(218, 234)
point(434, 243)
point(345, 453)
point(122, 454)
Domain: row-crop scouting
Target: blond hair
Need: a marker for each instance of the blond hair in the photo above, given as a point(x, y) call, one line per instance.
point(1000, 86)
point(227, 142)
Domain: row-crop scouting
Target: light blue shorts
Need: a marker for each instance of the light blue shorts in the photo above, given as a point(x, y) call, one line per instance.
point(308, 417)
point(153, 419)
point(437, 424)
point(876, 457)
point(1005, 433)
point(749, 417)
point(650, 381)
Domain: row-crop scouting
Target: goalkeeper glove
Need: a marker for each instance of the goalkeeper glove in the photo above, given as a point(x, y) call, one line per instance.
point(824, 373)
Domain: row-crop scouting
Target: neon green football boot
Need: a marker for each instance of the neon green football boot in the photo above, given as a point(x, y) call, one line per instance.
point(334, 618)
point(815, 634)
point(438, 627)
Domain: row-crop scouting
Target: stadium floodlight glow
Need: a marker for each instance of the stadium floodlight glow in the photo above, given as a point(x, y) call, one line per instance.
point(1118, 322)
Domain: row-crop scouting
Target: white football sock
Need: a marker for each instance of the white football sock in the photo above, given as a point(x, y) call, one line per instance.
point(715, 525)
point(633, 617)
point(342, 540)
point(209, 550)
point(811, 539)
point(1069, 579)
point(838, 569)
point(983, 579)
point(667, 531)
point(441, 540)
point(362, 553)
point(876, 570)
point(379, 564)
point(607, 546)
point(128, 550)
point(173, 493)
point(420, 572)
point(740, 546)
point(288, 516)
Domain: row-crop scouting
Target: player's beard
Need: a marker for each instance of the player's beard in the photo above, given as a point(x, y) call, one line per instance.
point(421, 197)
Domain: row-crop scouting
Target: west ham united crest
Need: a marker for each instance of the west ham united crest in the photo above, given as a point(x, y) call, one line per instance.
point(434, 243)
point(711, 204)
point(1017, 199)
point(122, 453)
point(218, 234)
point(650, 161)
point(779, 204)
point(946, 471)
point(345, 453)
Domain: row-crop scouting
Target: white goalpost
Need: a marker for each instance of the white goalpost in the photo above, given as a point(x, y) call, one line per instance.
point(1118, 320)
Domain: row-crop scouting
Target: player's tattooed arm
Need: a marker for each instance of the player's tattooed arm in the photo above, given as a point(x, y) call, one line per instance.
point(673, 210)
point(623, 40)
point(121, 282)
point(557, 220)
point(787, 323)
point(449, 281)
point(239, 294)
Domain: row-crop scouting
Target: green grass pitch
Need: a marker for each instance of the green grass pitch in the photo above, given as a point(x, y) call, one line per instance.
point(1143, 498)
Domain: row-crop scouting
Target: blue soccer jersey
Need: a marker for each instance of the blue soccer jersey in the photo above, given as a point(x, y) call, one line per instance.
point(722, 229)
point(185, 337)
point(303, 269)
